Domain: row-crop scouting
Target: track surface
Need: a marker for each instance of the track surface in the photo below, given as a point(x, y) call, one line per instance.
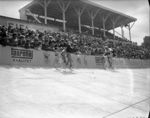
point(81, 93)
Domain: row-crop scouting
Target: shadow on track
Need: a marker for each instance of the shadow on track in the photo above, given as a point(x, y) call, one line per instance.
point(65, 71)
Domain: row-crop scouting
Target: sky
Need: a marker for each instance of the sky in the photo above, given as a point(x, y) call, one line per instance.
point(137, 8)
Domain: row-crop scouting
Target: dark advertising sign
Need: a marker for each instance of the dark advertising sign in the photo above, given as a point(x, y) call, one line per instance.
point(99, 60)
point(21, 55)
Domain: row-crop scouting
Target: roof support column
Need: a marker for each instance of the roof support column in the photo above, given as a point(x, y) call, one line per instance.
point(64, 19)
point(129, 27)
point(114, 21)
point(92, 20)
point(45, 11)
point(79, 12)
point(64, 8)
point(104, 34)
point(122, 31)
point(92, 15)
point(79, 23)
point(104, 21)
point(44, 4)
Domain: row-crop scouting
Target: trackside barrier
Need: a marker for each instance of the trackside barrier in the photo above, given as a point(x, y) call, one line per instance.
point(39, 58)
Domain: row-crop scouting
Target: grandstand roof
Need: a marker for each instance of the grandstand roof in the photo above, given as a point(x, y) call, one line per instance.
point(54, 11)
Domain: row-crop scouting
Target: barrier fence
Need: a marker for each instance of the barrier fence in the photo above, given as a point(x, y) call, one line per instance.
point(30, 57)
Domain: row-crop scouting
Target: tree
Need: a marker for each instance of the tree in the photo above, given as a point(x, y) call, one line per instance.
point(146, 42)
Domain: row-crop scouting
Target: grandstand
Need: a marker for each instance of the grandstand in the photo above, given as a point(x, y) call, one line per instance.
point(81, 15)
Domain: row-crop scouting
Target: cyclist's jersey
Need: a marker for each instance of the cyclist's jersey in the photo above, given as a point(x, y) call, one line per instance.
point(68, 49)
point(108, 52)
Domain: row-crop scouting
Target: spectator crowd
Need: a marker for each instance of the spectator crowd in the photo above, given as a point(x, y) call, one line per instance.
point(84, 43)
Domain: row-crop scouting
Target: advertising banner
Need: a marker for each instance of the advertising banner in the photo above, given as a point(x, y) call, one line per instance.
point(31, 57)
point(21, 55)
point(31, 26)
point(99, 60)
